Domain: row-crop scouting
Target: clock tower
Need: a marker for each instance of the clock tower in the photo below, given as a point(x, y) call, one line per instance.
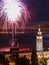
point(39, 40)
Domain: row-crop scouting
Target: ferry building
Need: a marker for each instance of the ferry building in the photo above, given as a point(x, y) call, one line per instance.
point(39, 47)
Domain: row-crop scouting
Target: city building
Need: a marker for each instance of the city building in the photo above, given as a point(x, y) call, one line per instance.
point(39, 40)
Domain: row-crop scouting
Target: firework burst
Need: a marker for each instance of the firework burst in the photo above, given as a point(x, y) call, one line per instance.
point(15, 11)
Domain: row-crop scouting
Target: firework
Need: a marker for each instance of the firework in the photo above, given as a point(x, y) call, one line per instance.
point(16, 11)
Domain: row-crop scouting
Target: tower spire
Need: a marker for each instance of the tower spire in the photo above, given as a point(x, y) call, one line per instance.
point(39, 31)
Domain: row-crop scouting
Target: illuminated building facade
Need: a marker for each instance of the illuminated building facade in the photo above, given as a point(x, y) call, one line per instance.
point(39, 40)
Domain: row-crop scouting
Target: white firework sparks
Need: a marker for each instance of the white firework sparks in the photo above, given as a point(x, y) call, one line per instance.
point(15, 10)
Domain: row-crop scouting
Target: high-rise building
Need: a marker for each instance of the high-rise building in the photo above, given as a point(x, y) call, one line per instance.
point(39, 40)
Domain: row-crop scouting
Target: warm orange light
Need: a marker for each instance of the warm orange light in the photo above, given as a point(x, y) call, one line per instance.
point(12, 63)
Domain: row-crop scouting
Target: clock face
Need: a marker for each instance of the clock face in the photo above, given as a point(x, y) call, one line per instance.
point(39, 39)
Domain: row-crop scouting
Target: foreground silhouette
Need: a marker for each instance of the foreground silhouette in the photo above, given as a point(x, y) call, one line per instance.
point(24, 61)
point(34, 59)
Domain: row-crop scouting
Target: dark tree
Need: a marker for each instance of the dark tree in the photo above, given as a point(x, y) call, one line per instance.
point(6, 61)
point(17, 58)
point(2, 59)
point(24, 61)
point(34, 59)
point(45, 61)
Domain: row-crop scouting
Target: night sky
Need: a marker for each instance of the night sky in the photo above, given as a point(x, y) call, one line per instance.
point(39, 12)
point(40, 9)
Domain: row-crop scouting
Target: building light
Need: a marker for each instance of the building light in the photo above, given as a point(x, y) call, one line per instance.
point(11, 63)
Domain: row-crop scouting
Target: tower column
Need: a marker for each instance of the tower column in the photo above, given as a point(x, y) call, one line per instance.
point(39, 40)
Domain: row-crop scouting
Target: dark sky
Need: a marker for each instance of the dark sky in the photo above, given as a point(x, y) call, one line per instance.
point(39, 10)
